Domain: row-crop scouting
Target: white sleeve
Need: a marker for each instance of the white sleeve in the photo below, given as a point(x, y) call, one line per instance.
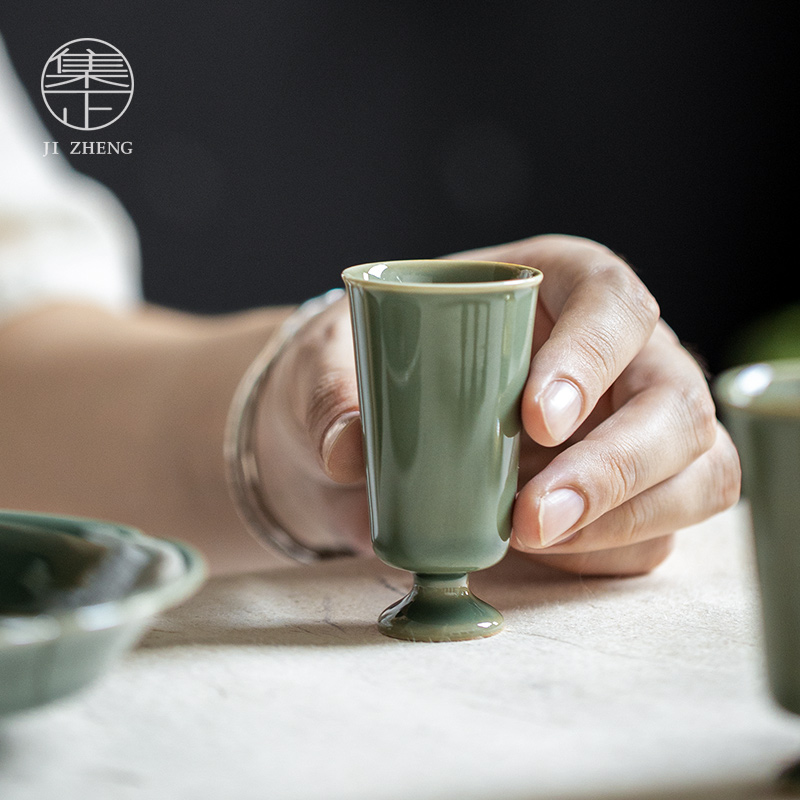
point(63, 236)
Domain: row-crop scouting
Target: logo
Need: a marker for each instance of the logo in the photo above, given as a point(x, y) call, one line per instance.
point(87, 84)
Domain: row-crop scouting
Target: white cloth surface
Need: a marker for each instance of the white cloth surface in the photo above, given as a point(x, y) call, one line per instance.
point(63, 236)
point(277, 685)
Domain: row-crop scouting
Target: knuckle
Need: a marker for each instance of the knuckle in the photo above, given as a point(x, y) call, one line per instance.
point(651, 554)
point(637, 304)
point(639, 558)
point(635, 314)
point(622, 474)
point(597, 350)
point(700, 417)
point(641, 304)
point(632, 520)
point(726, 471)
point(628, 561)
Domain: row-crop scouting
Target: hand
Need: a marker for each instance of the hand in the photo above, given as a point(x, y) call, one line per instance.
point(308, 437)
point(621, 445)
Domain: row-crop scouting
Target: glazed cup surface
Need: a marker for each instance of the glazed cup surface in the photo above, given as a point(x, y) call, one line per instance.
point(760, 404)
point(443, 350)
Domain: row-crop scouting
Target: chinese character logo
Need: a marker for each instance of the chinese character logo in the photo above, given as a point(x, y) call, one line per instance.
point(87, 84)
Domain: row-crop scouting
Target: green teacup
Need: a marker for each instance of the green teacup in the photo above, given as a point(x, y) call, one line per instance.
point(443, 350)
point(761, 406)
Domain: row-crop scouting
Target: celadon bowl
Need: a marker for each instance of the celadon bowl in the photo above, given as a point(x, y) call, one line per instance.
point(75, 595)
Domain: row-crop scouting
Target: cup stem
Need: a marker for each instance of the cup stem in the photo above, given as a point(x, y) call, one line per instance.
point(440, 608)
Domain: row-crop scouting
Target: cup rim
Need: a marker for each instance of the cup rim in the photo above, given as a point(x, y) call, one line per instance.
point(353, 276)
point(743, 387)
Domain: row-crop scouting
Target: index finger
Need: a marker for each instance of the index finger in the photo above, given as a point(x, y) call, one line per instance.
point(603, 316)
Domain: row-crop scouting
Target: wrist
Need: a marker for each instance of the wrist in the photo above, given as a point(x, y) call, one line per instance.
point(208, 368)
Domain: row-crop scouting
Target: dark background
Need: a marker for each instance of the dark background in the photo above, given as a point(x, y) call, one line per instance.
point(275, 143)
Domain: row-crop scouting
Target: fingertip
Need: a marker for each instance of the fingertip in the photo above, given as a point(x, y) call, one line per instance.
point(553, 413)
point(542, 521)
point(524, 521)
point(532, 416)
point(342, 449)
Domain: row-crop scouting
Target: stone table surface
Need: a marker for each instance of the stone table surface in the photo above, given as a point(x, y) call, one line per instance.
point(277, 685)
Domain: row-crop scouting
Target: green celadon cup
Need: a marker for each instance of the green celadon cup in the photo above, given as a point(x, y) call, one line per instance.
point(760, 404)
point(443, 349)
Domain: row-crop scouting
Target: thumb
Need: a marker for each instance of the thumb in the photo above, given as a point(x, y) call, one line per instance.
point(333, 422)
point(326, 395)
point(342, 450)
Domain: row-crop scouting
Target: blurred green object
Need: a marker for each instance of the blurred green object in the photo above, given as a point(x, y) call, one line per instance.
point(75, 595)
point(760, 404)
point(768, 338)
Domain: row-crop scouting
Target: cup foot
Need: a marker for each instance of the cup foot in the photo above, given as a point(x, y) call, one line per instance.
point(440, 608)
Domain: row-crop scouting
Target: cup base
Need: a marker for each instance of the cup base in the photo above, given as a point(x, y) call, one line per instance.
point(440, 608)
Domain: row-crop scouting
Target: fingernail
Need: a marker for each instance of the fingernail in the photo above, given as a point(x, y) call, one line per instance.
point(334, 431)
point(561, 406)
point(559, 510)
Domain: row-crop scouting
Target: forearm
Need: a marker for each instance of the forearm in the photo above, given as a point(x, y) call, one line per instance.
point(122, 417)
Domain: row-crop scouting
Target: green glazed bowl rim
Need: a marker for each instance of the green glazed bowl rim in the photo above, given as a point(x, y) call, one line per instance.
point(529, 277)
point(744, 388)
point(24, 629)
